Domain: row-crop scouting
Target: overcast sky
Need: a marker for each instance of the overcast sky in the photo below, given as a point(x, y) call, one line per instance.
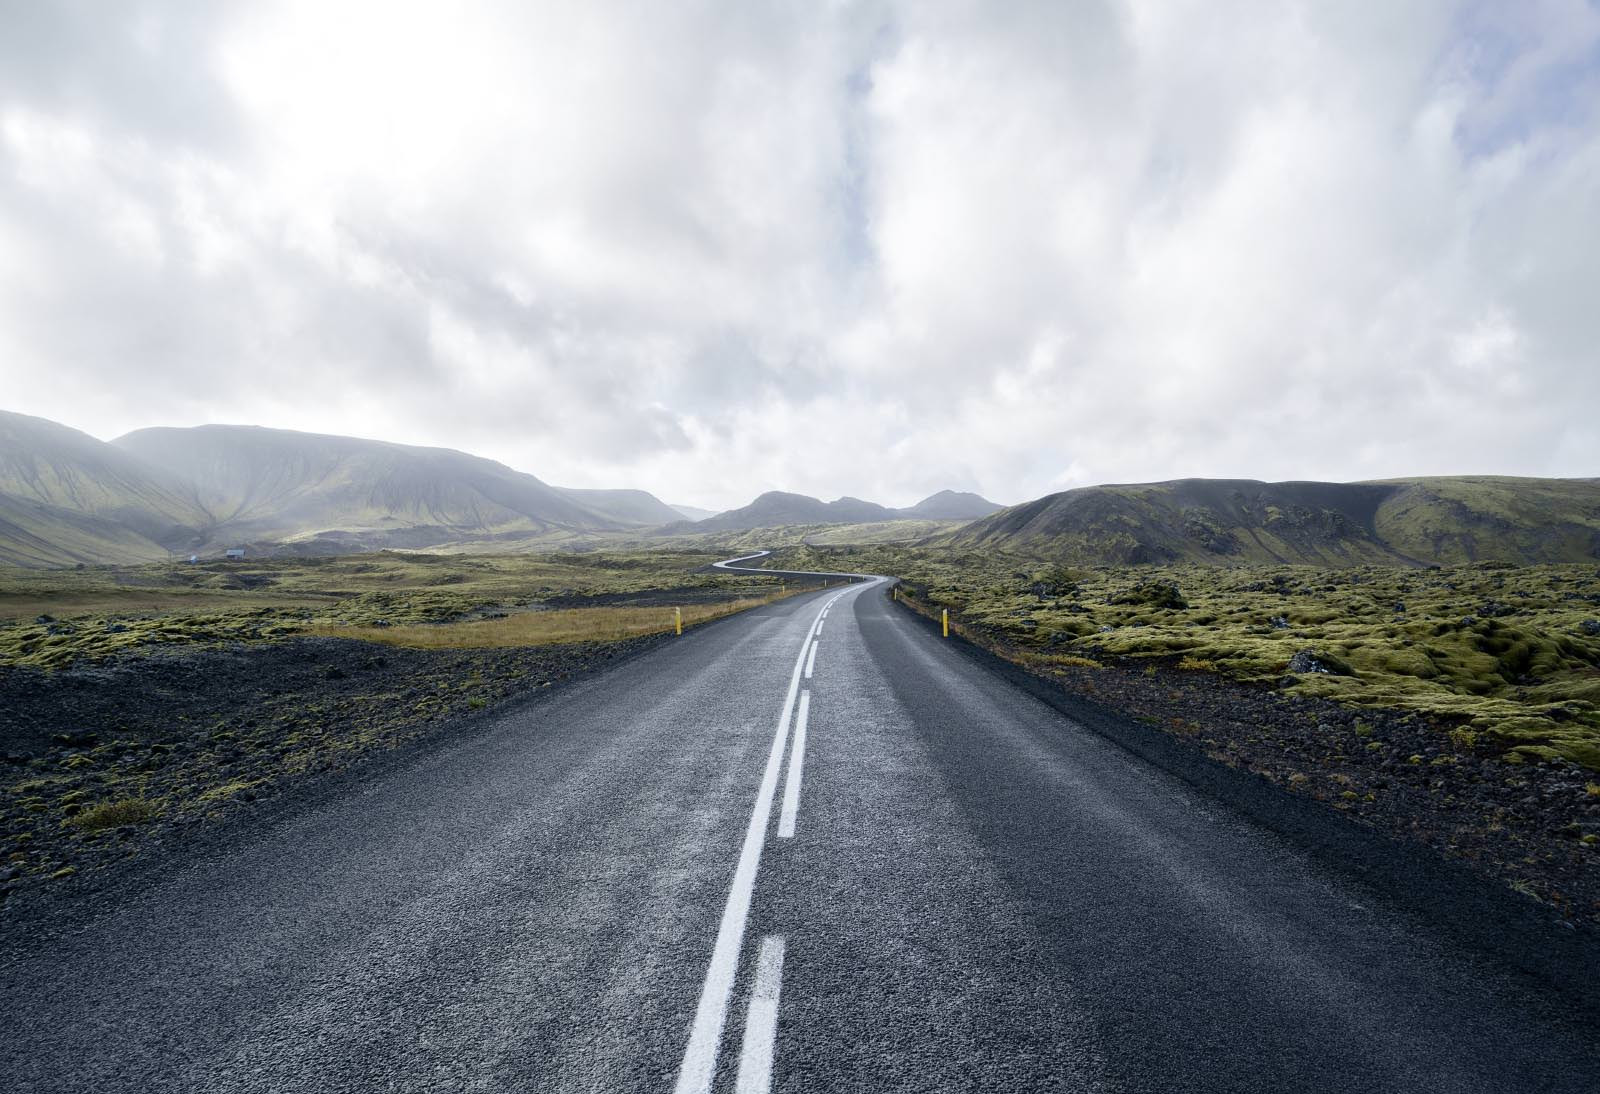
point(875, 249)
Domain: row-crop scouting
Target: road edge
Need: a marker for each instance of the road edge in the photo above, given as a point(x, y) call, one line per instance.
point(1516, 932)
point(26, 923)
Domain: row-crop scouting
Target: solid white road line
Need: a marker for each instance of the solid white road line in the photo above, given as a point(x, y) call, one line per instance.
point(797, 761)
point(811, 661)
point(761, 1020)
point(699, 1065)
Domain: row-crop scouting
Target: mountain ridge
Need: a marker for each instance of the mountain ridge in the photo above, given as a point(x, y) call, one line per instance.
point(777, 508)
point(1412, 521)
point(274, 485)
point(68, 498)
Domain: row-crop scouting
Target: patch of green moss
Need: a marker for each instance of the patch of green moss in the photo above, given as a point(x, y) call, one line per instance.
point(113, 814)
point(128, 608)
point(1502, 650)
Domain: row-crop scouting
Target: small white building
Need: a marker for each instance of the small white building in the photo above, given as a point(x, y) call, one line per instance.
point(234, 552)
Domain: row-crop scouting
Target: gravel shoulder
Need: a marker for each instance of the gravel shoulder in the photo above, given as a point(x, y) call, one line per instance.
point(1529, 827)
point(118, 771)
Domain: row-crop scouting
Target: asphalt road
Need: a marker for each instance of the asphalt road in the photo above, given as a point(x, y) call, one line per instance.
point(635, 885)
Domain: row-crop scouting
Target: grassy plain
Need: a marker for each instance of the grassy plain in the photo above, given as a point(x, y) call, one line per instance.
point(54, 618)
point(549, 627)
point(1508, 656)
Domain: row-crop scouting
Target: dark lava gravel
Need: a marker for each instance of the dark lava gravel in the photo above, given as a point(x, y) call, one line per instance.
point(197, 736)
point(1535, 827)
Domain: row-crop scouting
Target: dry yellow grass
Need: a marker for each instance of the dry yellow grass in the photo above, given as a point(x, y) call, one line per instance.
point(546, 628)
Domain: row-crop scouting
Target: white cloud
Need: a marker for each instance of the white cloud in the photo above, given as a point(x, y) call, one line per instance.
point(853, 248)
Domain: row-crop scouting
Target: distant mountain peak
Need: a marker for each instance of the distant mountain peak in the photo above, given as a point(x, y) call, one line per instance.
point(952, 505)
point(774, 508)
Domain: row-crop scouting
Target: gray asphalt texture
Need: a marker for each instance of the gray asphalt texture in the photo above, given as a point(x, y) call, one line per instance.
point(980, 895)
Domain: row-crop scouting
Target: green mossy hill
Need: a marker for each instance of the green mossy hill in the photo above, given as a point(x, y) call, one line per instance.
point(330, 494)
point(67, 498)
point(1453, 520)
point(1236, 522)
point(1509, 656)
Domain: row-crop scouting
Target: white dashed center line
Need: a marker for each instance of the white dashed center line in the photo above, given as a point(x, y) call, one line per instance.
point(699, 1067)
point(761, 1020)
point(797, 761)
point(811, 661)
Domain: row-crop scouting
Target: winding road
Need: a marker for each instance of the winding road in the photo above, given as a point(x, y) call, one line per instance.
point(811, 847)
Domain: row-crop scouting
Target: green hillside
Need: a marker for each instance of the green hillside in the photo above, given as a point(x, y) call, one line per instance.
point(1241, 522)
point(36, 535)
point(638, 507)
point(1468, 518)
point(66, 498)
point(346, 494)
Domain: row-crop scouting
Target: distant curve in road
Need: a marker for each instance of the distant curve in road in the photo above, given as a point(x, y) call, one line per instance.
point(810, 847)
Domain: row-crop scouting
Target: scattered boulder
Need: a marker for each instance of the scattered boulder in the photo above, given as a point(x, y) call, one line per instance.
point(1056, 581)
point(1307, 661)
point(75, 740)
point(1280, 622)
point(1156, 594)
point(1590, 627)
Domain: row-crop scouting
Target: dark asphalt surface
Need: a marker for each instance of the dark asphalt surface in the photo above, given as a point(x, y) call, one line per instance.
point(979, 895)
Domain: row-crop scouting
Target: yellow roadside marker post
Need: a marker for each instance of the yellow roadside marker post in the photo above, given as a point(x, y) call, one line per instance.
point(677, 619)
point(945, 619)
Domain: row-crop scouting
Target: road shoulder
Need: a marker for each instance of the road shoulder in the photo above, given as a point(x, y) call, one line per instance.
point(1529, 938)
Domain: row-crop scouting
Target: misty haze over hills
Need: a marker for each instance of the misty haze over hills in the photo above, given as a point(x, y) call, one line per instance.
point(164, 493)
point(156, 493)
point(776, 508)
